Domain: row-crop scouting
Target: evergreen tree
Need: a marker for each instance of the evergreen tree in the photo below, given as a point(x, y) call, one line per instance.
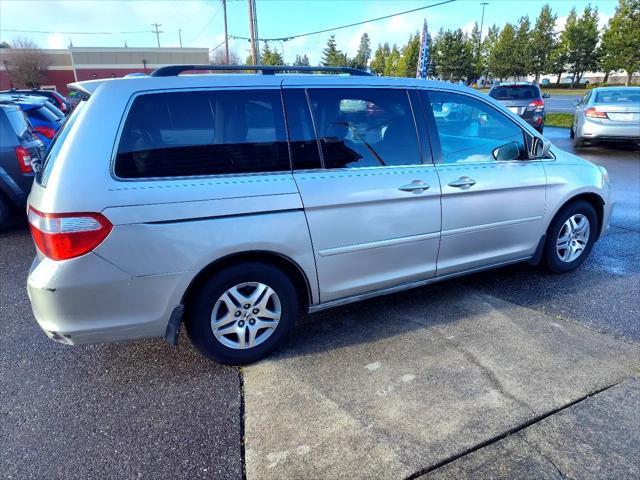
point(301, 61)
point(392, 62)
point(455, 56)
point(522, 59)
point(379, 59)
point(502, 54)
point(361, 60)
point(270, 57)
point(332, 56)
point(409, 56)
point(543, 42)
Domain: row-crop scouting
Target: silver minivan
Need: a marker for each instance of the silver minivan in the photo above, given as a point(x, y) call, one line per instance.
point(233, 203)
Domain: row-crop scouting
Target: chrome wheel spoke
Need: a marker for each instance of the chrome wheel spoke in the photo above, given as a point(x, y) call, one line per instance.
point(573, 237)
point(245, 315)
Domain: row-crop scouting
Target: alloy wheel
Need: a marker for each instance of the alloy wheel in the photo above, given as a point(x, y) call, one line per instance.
point(573, 237)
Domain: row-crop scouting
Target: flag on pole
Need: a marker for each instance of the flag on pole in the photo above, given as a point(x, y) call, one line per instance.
point(423, 59)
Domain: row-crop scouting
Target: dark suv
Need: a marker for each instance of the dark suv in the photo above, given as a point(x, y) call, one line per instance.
point(524, 100)
point(19, 148)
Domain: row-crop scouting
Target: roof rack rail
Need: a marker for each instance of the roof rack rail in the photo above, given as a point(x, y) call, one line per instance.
point(173, 70)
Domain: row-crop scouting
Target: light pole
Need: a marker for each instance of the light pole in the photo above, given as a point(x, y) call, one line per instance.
point(484, 4)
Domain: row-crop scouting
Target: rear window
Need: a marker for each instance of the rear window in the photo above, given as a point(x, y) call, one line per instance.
point(516, 92)
point(203, 133)
point(18, 122)
point(43, 114)
point(625, 97)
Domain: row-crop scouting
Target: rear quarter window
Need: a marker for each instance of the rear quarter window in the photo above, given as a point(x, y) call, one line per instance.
point(18, 122)
point(43, 114)
point(203, 133)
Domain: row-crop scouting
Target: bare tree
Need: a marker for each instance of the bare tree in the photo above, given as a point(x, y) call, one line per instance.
point(217, 57)
point(26, 63)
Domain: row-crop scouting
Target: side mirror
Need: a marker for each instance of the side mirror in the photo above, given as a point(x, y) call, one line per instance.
point(437, 107)
point(546, 95)
point(506, 152)
point(538, 147)
point(576, 103)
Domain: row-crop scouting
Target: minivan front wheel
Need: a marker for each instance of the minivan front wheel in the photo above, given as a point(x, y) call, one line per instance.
point(242, 313)
point(571, 236)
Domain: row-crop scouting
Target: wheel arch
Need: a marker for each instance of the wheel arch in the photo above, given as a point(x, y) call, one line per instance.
point(284, 263)
point(594, 199)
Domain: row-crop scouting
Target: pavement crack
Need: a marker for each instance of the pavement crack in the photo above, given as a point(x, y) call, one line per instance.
point(512, 431)
point(546, 457)
point(488, 373)
point(243, 439)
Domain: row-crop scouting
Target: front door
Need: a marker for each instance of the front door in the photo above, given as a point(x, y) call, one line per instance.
point(371, 199)
point(493, 199)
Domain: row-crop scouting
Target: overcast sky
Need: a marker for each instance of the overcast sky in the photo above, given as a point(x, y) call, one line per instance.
point(201, 21)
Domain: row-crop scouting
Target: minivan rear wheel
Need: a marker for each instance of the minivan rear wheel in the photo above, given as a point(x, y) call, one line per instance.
point(571, 236)
point(242, 313)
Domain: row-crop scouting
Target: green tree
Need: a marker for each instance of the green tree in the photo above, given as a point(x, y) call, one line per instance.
point(621, 38)
point(270, 57)
point(580, 38)
point(409, 55)
point(455, 56)
point(432, 70)
point(502, 54)
point(392, 63)
point(543, 42)
point(332, 56)
point(477, 57)
point(301, 61)
point(4, 44)
point(522, 54)
point(487, 47)
point(379, 59)
point(361, 60)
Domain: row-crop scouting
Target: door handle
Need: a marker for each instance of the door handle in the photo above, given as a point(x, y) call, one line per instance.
point(417, 186)
point(463, 182)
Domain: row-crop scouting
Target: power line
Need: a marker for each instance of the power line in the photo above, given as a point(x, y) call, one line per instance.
point(73, 33)
point(291, 37)
point(208, 23)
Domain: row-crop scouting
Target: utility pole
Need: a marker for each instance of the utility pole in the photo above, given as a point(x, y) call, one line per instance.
point(252, 32)
point(484, 4)
point(157, 32)
point(226, 35)
point(180, 36)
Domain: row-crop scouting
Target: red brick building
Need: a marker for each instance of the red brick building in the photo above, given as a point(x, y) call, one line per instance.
point(87, 63)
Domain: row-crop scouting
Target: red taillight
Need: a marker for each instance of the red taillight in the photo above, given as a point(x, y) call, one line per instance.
point(46, 131)
point(24, 160)
point(61, 236)
point(593, 113)
point(63, 106)
point(537, 104)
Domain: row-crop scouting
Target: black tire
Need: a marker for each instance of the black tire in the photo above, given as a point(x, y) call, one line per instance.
point(578, 142)
point(550, 255)
point(571, 133)
point(6, 214)
point(199, 311)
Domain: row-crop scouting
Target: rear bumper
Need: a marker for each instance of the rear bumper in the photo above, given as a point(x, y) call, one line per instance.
point(597, 130)
point(89, 300)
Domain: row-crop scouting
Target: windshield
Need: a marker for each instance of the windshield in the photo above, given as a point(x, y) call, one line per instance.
point(56, 144)
point(516, 92)
point(620, 96)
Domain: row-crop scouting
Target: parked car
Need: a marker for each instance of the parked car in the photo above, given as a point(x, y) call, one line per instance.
point(74, 98)
point(54, 97)
point(232, 203)
point(19, 148)
point(570, 81)
point(43, 116)
point(545, 82)
point(525, 100)
point(607, 114)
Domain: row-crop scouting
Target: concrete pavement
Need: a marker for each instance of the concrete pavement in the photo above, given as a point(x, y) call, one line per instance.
point(393, 386)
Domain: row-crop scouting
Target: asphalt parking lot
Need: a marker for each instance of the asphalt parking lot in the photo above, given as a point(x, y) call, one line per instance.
point(505, 374)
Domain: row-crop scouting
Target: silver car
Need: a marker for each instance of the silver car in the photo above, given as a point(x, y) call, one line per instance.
point(607, 114)
point(234, 203)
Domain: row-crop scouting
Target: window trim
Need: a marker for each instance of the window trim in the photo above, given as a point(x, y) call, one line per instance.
point(434, 136)
point(125, 115)
point(412, 108)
